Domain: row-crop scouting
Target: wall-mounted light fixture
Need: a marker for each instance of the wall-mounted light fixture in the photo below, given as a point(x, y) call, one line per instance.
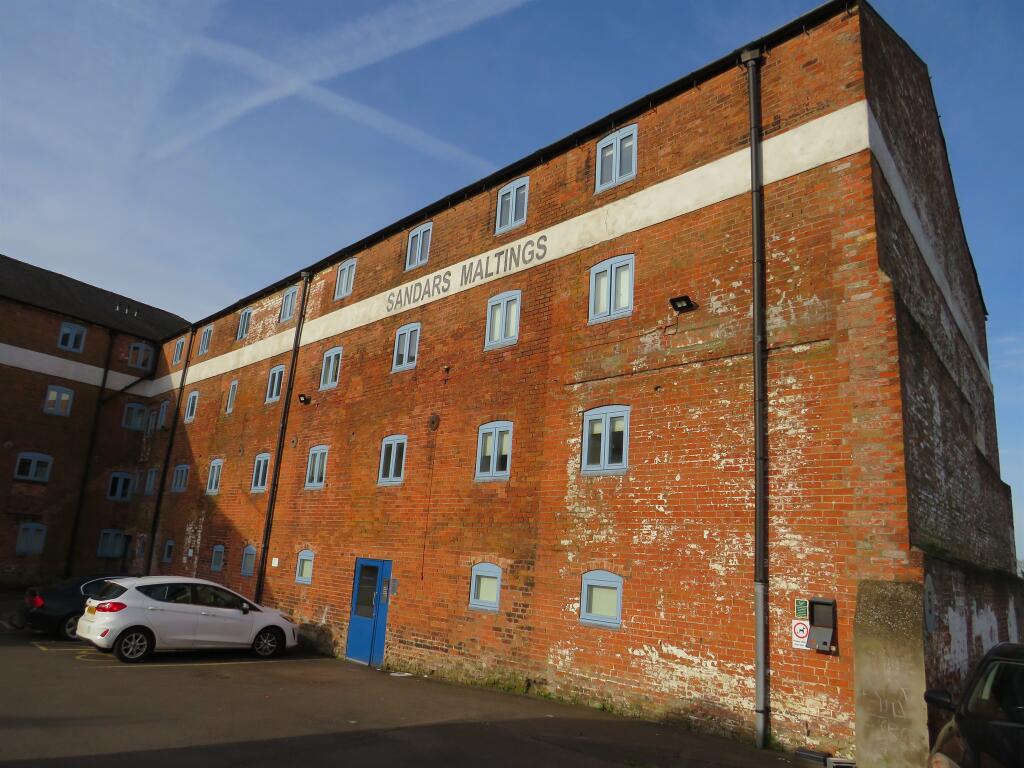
point(304, 399)
point(682, 304)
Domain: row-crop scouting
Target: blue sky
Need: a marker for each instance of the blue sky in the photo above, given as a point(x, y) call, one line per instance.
point(240, 140)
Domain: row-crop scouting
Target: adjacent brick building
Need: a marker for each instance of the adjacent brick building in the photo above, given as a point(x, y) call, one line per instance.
point(562, 356)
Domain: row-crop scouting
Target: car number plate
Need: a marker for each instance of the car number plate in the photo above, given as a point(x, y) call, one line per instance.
point(91, 610)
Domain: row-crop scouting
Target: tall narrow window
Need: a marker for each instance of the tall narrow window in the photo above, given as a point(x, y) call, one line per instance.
point(134, 417)
point(151, 417)
point(213, 481)
point(204, 340)
point(512, 199)
point(72, 337)
point(494, 451)
point(168, 550)
point(606, 440)
point(616, 158)
point(260, 468)
point(392, 460)
point(316, 467)
point(601, 599)
point(345, 280)
point(502, 320)
point(191, 405)
point(243, 323)
point(484, 587)
point(33, 466)
point(611, 289)
point(120, 486)
point(151, 478)
point(31, 537)
point(249, 560)
point(58, 401)
point(179, 480)
point(179, 350)
point(331, 369)
point(229, 404)
point(274, 383)
point(111, 543)
point(407, 345)
point(140, 355)
point(288, 304)
point(304, 567)
point(217, 560)
point(161, 417)
point(417, 250)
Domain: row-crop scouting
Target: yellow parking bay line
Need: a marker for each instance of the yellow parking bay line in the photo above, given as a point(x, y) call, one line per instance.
point(42, 647)
point(205, 663)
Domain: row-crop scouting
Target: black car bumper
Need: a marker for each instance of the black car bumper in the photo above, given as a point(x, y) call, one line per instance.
point(39, 620)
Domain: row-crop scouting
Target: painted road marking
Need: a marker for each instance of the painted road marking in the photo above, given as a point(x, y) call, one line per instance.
point(119, 665)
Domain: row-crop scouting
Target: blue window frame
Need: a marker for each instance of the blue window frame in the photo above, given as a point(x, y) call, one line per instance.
point(179, 350)
point(161, 417)
point(134, 417)
point(331, 370)
point(512, 200)
point(502, 320)
point(58, 400)
point(168, 551)
point(494, 451)
point(34, 467)
point(606, 440)
point(31, 537)
point(288, 304)
point(243, 323)
point(274, 382)
point(304, 567)
point(111, 543)
point(616, 158)
point(191, 405)
point(213, 481)
point(217, 558)
point(485, 587)
point(611, 289)
point(417, 249)
point(407, 347)
point(72, 337)
point(120, 486)
point(316, 467)
point(179, 479)
point(249, 560)
point(392, 460)
point(601, 599)
point(204, 340)
point(345, 280)
point(260, 470)
point(151, 477)
point(229, 405)
point(140, 355)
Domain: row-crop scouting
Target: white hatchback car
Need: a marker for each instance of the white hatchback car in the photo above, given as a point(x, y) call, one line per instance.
point(136, 616)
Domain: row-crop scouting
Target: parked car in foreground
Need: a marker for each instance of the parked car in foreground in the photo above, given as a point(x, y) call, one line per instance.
point(56, 608)
point(134, 617)
point(987, 728)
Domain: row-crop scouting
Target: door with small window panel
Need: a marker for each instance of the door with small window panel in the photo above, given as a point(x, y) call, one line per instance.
point(371, 591)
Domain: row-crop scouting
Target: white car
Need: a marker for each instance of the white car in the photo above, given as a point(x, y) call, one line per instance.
point(136, 616)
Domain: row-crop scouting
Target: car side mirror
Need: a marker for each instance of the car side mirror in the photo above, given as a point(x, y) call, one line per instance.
point(245, 607)
point(940, 699)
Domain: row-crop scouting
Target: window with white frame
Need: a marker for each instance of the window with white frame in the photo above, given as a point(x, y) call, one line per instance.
point(616, 158)
point(229, 404)
point(31, 537)
point(58, 400)
point(134, 417)
point(72, 337)
point(502, 320)
point(260, 469)
point(606, 440)
point(217, 559)
point(213, 481)
point(179, 478)
point(243, 323)
point(407, 345)
point(304, 567)
point(274, 382)
point(611, 289)
point(34, 467)
point(140, 355)
point(316, 467)
point(392, 460)
point(161, 418)
point(204, 339)
point(484, 587)
point(179, 350)
point(288, 304)
point(331, 370)
point(601, 599)
point(345, 280)
point(494, 451)
point(168, 550)
point(111, 543)
point(151, 477)
point(417, 250)
point(249, 560)
point(512, 199)
point(120, 486)
point(151, 417)
point(191, 405)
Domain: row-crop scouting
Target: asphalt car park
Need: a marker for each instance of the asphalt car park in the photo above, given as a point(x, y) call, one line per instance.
point(68, 704)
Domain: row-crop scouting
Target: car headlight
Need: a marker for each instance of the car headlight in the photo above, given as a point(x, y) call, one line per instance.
point(938, 760)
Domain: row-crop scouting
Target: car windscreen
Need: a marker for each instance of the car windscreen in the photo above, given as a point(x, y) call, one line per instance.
point(110, 591)
point(999, 693)
point(170, 592)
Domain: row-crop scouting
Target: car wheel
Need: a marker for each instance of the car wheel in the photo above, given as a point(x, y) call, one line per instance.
point(133, 644)
point(268, 642)
point(68, 629)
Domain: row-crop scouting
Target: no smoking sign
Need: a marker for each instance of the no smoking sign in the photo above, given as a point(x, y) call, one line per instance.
point(801, 630)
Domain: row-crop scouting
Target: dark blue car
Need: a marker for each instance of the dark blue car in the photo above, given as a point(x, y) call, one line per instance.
point(56, 608)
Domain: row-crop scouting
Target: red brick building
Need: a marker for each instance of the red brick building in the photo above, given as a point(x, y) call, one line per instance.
point(512, 438)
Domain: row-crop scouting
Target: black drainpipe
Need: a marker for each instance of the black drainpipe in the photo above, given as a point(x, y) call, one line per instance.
point(167, 454)
point(268, 524)
point(752, 61)
point(80, 500)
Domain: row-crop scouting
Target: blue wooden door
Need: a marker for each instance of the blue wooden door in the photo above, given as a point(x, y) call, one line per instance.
point(369, 616)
